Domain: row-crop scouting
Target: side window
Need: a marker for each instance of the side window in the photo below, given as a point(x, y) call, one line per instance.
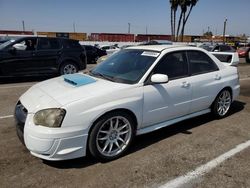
point(72, 44)
point(26, 44)
point(174, 65)
point(224, 48)
point(55, 44)
point(105, 48)
point(47, 44)
point(200, 63)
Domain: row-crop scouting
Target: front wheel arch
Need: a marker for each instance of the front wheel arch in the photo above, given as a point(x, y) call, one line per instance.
point(67, 61)
point(121, 111)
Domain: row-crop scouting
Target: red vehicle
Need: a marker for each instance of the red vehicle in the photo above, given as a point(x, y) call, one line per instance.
point(244, 52)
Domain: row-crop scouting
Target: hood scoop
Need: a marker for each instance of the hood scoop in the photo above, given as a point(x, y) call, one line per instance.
point(78, 79)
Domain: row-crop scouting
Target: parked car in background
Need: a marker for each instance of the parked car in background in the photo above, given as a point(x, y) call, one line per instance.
point(3, 41)
point(218, 48)
point(93, 53)
point(135, 91)
point(244, 52)
point(40, 56)
point(157, 42)
point(110, 48)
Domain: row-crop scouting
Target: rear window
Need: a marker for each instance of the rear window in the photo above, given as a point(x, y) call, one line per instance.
point(71, 44)
point(200, 63)
point(48, 43)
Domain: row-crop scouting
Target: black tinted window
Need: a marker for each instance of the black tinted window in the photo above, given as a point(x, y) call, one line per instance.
point(72, 44)
point(46, 43)
point(200, 62)
point(225, 48)
point(174, 65)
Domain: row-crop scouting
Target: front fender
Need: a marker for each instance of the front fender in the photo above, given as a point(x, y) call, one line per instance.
point(84, 113)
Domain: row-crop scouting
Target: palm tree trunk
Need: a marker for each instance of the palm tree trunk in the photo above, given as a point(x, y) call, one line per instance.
point(172, 25)
point(185, 21)
point(183, 26)
point(179, 24)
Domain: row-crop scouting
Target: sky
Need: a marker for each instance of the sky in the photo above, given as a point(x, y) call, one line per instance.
point(113, 16)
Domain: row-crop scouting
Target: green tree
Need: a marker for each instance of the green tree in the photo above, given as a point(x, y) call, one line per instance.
point(186, 7)
point(208, 33)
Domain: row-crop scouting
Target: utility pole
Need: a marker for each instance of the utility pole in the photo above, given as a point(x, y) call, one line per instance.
point(23, 25)
point(224, 30)
point(129, 28)
point(74, 27)
point(146, 30)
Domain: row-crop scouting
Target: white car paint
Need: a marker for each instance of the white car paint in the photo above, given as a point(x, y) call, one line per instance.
point(154, 106)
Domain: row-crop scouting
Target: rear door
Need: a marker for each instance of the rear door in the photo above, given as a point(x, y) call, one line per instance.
point(48, 52)
point(205, 79)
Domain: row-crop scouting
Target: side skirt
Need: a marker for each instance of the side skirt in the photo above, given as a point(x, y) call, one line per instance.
point(170, 122)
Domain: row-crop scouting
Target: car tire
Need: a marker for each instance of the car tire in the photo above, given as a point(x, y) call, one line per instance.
point(68, 67)
point(248, 57)
point(222, 104)
point(96, 58)
point(111, 136)
point(19, 133)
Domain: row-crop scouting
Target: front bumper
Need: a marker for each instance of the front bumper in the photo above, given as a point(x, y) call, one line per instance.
point(50, 143)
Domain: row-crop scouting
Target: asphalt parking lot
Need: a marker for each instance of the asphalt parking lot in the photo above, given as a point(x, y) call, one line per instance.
point(153, 160)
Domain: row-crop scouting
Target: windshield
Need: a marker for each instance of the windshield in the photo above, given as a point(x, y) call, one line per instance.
point(125, 66)
point(2, 46)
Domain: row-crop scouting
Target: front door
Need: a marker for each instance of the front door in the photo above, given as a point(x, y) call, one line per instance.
point(170, 100)
point(18, 58)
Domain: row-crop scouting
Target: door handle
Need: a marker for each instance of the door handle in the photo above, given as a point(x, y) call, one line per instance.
point(217, 77)
point(185, 84)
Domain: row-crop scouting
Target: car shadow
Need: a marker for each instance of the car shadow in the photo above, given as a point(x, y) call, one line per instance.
point(146, 140)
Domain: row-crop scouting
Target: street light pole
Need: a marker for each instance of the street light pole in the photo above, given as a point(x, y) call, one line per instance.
point(74, 27)
point(224, 30)
point(23, 25)
point(129, 28)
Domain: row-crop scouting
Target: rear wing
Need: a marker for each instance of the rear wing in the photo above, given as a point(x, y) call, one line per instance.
point(229, 58)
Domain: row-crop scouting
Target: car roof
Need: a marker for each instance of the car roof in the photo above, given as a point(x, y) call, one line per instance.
point(160, 48)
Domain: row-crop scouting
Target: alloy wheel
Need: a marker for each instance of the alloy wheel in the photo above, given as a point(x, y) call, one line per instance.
point(224, 102)
point(113, 136)
point(69, 69)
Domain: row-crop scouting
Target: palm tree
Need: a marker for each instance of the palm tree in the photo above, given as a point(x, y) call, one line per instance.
point(174, 6)
point(188, 4)
point(186, 7)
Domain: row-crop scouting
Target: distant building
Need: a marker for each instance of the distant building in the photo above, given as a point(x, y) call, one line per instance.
point(149, 37)
point(112, 37)
point(15, 32)
point(75, 36)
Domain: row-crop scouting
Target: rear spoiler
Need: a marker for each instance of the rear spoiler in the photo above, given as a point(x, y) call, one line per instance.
point(229, 58)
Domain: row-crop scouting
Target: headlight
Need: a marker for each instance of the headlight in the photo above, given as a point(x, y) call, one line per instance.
point(52, 117)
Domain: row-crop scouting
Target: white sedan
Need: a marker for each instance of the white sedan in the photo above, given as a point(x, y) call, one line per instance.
point(135, 91)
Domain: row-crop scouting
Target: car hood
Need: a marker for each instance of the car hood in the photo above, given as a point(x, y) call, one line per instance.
point(58, 92)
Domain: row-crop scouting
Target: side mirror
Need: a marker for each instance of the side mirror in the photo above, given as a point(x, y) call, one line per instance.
point(159, 78)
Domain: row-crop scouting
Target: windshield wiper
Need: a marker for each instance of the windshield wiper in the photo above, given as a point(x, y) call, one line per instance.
point(110, 78)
